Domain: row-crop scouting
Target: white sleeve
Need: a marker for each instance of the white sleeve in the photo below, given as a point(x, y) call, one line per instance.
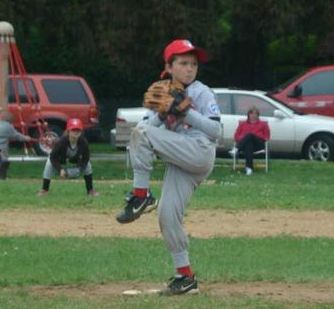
point(15, 135)
point(210, 108)
point(152, 118)
point(211, 128)
point(207, 108)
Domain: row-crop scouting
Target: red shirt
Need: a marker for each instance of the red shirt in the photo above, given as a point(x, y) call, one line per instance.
point(258, 128)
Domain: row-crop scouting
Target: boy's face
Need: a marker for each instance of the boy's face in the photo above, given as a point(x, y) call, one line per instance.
point(74, 134)
point(184, 68)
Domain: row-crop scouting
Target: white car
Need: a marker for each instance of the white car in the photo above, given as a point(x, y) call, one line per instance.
point(126, 119)
point(310, 136)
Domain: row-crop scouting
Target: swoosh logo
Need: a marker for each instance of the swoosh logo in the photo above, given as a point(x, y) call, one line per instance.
point(185, 288)
point(138, 209)
point(189, 288)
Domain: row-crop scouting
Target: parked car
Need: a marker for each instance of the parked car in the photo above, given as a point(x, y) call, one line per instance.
point(57, 97)
point(311, 92)
point(309, 136)
point(126, 119)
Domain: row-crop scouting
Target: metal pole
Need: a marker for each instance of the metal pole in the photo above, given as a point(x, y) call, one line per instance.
point(6, 36)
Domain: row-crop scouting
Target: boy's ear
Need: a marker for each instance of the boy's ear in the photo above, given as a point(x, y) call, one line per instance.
point(168, 68)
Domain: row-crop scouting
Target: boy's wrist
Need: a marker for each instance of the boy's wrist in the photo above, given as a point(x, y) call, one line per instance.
point(162, 116)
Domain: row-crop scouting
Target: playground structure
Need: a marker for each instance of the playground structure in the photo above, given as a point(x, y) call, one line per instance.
point(6, 36)
point(12, 69)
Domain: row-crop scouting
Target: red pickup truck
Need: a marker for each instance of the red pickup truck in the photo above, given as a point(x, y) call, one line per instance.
point(311, 92)
point(56, 98)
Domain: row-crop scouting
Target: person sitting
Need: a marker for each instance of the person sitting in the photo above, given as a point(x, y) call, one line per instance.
point(250, 136)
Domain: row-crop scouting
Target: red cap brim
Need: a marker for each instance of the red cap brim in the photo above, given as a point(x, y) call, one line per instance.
point(179, 47)
point(200, 53)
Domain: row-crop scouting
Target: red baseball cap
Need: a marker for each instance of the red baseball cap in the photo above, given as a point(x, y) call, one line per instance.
point(178, 47)
point(74, 124)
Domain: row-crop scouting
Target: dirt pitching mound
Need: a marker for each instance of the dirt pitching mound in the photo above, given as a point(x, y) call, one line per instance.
point(299, 293)
point(198, 223)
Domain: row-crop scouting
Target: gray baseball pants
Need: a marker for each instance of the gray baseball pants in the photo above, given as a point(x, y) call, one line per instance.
point(188, 161)
point(50, 171)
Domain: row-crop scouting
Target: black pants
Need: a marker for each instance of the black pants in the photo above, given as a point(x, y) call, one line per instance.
point(248, 145)
point(4, 165)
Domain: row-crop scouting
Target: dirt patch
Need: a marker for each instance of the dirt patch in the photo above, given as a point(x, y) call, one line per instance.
point(304, 293)
point(312, 293)
point(198, 223)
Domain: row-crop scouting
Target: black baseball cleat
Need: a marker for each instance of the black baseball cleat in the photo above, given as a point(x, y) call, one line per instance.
point(180, 284)
point(136, 206)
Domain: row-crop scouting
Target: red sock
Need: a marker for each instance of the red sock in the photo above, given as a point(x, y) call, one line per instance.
point(140, 192)
point(185, 271)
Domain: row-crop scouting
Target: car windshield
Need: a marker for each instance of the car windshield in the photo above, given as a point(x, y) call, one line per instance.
point(293, 110)
point(286, 83)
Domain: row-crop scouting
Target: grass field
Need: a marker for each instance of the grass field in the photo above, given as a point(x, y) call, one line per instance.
point(73, 260)
point(288, 185)
point(90, 272)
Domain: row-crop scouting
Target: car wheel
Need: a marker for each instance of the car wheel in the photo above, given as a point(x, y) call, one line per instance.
point(47, 140)
point(320, 148)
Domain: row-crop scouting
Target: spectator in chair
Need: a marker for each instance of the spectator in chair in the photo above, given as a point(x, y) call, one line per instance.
point(250, 136)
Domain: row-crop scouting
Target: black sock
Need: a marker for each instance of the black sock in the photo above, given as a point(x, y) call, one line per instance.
point(46, 184)
point(89, 182)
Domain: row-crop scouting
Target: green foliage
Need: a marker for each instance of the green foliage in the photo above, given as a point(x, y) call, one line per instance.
point(100, 39)
point(292, 49)
point(117, 45)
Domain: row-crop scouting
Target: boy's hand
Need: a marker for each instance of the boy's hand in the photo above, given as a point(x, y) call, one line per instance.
point(32, 140)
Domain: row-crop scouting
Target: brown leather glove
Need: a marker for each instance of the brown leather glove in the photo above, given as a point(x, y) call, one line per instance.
point(167, 97)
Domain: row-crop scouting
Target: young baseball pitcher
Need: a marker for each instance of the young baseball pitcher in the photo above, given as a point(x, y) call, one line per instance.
point(69, 158)
point(181, 128)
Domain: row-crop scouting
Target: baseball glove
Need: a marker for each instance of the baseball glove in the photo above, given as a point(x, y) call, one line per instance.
point(167, 97)
point(72, 172)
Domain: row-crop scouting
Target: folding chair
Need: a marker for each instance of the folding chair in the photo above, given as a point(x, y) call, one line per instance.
point(264, 151)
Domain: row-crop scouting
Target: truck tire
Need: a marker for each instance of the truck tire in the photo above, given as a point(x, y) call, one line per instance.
point(44, 148)
point(320, 148)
